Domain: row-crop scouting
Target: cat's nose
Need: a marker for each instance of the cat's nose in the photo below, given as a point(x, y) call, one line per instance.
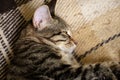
point(73, 40)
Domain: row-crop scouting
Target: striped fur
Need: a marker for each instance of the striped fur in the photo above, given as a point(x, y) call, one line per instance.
point(35, 61)
point(47, 54)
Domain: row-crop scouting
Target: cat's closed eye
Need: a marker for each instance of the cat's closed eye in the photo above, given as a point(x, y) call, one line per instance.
point(65, 34)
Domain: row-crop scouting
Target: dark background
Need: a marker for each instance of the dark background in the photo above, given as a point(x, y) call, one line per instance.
point(6, 5)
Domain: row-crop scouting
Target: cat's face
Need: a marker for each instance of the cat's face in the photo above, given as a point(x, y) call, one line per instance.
point(53, 29)
point(64, 41)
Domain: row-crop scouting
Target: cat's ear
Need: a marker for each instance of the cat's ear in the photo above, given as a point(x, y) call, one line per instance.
point(42, 17)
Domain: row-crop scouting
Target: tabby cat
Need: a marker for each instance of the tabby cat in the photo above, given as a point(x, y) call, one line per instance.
point(45, 51)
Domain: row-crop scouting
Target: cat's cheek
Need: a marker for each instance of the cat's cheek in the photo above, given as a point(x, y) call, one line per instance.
point(72, 48)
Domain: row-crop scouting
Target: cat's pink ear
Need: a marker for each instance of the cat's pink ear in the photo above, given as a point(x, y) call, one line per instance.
point(42, 17)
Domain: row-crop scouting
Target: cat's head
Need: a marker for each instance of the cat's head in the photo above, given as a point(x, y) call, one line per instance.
point(53, 29)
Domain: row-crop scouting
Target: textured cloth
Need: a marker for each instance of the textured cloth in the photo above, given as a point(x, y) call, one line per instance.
point(95, 25)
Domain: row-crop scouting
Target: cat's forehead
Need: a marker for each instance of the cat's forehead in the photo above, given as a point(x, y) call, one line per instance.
point(56, 25)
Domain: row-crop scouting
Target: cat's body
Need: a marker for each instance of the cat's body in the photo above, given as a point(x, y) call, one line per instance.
point(45, 52)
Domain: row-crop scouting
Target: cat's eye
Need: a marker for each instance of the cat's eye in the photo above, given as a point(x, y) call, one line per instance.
point(64, 34)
